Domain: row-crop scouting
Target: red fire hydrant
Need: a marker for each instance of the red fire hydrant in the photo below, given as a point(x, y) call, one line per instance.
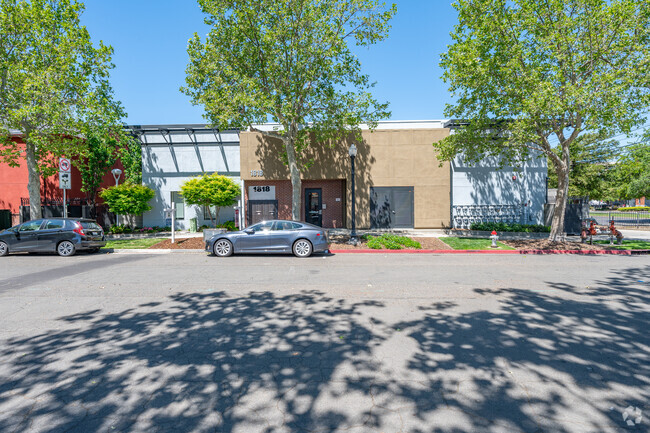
point(613, 232)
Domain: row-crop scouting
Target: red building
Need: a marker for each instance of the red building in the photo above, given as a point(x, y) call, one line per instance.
point(13, 186)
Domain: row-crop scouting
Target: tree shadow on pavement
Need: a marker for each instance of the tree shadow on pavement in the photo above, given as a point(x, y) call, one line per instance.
point(559, 358)
point(198, 362)
point(550, 357)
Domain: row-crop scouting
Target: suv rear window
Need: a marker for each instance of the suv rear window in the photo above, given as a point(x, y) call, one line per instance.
point(90, 225)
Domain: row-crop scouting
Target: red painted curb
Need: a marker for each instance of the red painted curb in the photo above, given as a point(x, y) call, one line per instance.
point(536, 252)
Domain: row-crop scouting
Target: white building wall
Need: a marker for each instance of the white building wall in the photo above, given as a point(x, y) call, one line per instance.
point(166, 167)
point(485, 184)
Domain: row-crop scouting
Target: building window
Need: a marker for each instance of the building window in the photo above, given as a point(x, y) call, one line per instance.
point(179, 204)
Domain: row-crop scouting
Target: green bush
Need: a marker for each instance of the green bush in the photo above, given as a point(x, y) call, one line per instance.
point(391, 242)
point(634, 209)
point(510, 227)
point(228, 225)
point(127, 199)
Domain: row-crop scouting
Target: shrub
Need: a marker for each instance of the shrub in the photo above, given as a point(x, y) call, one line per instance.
point(228, 225)
point(634, 209)
point(510, 227)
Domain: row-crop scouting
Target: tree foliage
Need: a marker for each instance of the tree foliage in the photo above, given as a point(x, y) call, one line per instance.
point(526, 74)
point(211, 190)
point(633, 172)
point(288, 62)
point(592, 162)
point(127, 198)
point(53, 86)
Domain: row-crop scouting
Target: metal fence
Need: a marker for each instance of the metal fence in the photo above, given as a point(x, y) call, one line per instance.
point(622, 219)
point(465, 215)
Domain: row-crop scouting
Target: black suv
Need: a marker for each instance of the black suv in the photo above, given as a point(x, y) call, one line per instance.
point(64, 236)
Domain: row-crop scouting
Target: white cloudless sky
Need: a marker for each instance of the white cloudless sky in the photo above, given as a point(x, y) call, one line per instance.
point(150, 40)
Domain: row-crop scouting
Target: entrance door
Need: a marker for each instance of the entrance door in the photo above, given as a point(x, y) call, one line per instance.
point(262, 210)
point(391, 207)
point(314, 206)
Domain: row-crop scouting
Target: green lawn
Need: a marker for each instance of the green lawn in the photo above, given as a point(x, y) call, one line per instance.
point(132, 244)
point(473, 244)
point(628, 245)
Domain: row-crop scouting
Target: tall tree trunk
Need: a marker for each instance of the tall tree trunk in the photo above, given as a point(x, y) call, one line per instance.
point(296, 183)
point(34, 180)
point(562, 170)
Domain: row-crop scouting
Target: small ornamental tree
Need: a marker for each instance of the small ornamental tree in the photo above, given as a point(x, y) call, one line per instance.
point(128, 199)
point(211, 190)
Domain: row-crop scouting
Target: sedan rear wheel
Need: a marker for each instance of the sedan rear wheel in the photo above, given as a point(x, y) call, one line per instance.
point(4, 249)
point(302, 248)
point(65, 249)
point(222, 248)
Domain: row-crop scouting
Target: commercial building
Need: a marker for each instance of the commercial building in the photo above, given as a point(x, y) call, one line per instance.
point(400, 183)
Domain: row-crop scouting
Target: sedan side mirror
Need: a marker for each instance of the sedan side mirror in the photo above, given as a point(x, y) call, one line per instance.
point(249, 231)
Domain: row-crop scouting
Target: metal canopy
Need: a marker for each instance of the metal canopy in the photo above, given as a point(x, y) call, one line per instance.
point(194, 135)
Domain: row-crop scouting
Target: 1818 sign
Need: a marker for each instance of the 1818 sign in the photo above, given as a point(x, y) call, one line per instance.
point(257, 173)
point(262, 188)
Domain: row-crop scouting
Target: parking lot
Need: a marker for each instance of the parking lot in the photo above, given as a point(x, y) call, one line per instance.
point(358, 343)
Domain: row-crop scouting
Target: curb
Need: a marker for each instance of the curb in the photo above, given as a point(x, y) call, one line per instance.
point(151, 251)
point(519, 252)
point(369, 251)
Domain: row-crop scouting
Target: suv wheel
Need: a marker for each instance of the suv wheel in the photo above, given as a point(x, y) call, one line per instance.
point(65, 249)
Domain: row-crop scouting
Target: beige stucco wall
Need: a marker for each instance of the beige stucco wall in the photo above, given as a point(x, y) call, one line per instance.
point(399, 157)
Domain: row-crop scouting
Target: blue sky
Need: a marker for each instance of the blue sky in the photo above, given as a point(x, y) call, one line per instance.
point(150, 39)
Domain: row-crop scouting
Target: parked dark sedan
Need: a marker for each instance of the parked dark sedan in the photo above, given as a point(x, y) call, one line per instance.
point(64, 236)
point(276, 236)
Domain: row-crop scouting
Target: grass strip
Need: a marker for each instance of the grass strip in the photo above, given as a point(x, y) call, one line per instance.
point(473, 244)
point(132, 244)
point(627, 245)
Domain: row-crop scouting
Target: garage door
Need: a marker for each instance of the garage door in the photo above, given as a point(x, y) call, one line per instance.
point(391, 207)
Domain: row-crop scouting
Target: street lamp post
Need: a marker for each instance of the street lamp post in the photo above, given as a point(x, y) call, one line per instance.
point(116, 175)
point(353, 235)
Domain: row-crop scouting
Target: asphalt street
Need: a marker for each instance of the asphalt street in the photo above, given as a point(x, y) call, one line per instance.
point(348, 342)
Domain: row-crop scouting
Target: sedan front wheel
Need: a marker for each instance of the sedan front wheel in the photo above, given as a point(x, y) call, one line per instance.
point(65, 249)
point(302, 248)
point(222, 248)
point(4, 249)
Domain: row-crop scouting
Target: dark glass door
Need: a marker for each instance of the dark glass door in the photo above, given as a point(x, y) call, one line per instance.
point(314, 206)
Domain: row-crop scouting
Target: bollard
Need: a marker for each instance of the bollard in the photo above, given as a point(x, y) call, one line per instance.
point(494, 238)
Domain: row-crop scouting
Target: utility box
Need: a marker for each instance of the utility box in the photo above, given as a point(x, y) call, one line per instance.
point(5, 219)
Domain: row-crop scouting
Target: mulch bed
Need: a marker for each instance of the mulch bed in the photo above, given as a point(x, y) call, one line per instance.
point(428, 243)
point(180, 244)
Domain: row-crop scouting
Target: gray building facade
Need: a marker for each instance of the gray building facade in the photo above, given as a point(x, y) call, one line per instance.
point(172, 154)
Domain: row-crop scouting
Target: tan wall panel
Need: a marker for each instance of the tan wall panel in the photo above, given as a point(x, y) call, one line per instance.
point(384, 158)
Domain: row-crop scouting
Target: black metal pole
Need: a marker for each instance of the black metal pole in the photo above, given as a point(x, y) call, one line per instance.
point(353, 235)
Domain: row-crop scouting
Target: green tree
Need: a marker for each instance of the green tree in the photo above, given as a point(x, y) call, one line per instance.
point(526, 74)
point(127, 198)
point(633, 171)
point(288, 62)
point(53, 83)
point(211, 190)
point(592, 161)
